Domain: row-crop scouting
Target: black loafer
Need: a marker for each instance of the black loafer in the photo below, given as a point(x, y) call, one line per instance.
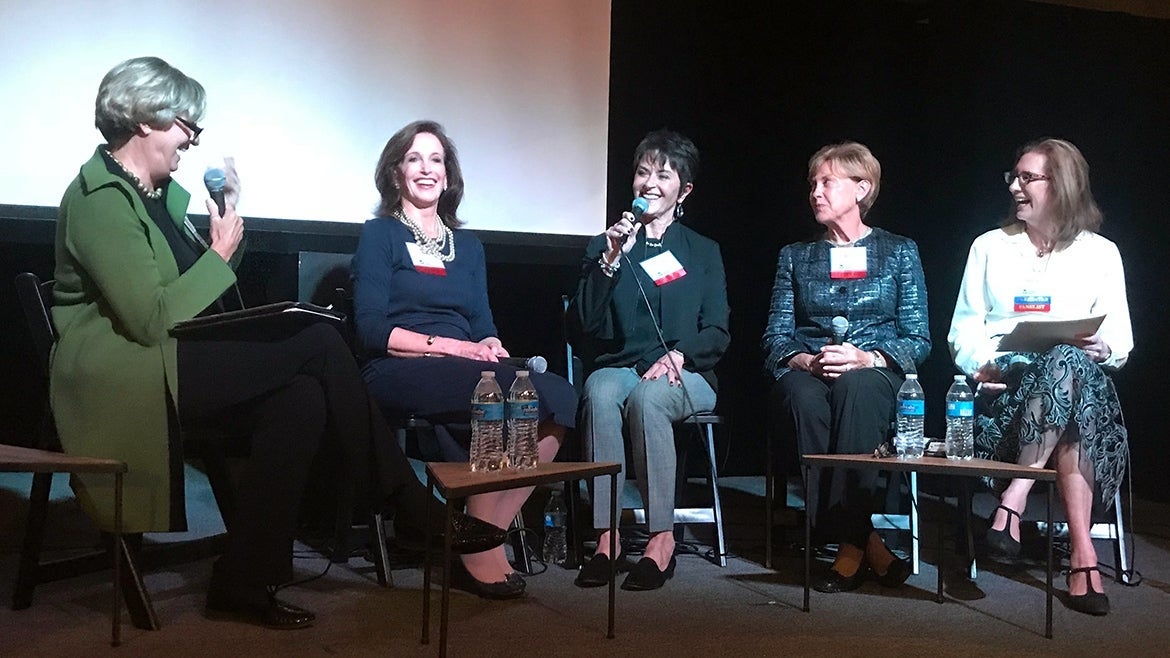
point(511, 587)
point(895, 575)
point(471, 535)
point(646, 576)
point(595, 573)
point(833, 582)
point(256, 607)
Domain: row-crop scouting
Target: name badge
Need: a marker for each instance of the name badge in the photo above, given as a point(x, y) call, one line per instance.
point(847, 263)
point(1032, 304)
point(663, 268)
point(424, 262)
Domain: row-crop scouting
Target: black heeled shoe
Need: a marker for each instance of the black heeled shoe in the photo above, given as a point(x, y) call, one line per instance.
point(1091, 602)
point(1000, 542)
point(645, 575)
point(255, 606)
point(833, 582)
point(895, 575)
point(595, 573)
point(511, 587)
point(471, 535)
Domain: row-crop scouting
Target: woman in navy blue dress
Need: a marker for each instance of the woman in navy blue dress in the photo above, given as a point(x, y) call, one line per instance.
point(421, 309)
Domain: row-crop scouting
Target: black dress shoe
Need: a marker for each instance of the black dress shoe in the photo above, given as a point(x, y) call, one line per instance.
point(1091, 602)
point(645, 575)
point(595, 573)
point(1000, 542)
point(895, 575)
point(833, 582)
point(471, 534)
point(256, 606)
point(511, 587)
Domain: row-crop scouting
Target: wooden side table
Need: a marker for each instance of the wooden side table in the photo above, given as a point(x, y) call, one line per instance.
point(456, 480)
point(933, 466)
point(14, 459)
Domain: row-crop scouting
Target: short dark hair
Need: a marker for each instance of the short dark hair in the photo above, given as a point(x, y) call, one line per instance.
point(392, 156)
point(668, 147)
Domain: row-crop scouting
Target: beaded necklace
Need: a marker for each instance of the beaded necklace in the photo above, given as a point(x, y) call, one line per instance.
point(429, 245)
point(146, 191)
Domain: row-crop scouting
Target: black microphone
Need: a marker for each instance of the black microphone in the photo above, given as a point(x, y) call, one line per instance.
point(840, 328)
point(639, 207)
point(537, 364)
point(216, 180)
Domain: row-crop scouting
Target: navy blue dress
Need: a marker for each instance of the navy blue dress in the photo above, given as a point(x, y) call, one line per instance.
point(390, 292)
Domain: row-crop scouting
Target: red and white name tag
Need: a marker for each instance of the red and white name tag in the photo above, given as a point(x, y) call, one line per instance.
point(663, 268)
point(424, 262)
point(1032, 304)
point(847, 263)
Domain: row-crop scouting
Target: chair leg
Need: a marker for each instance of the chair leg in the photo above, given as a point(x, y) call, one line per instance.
point(914, 553)
point(717, 507)
point(1120, 554)
point(522, 552)
point(380, 554)
point(574, 537)
point(134, 592)
point(34, 539)
point(769, 499)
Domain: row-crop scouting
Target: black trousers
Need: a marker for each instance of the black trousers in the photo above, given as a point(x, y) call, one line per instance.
point(851, 414)
point(289, 398)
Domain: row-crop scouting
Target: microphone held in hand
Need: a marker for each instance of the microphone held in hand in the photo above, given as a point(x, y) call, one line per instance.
point(840, 328)
point(216, 180)
point(537, 364)
point(639, 207)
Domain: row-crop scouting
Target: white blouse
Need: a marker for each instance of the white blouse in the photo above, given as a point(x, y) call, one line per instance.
point(1082, 280)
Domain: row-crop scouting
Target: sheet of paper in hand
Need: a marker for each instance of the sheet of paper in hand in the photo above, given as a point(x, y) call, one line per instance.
point(1041, 335)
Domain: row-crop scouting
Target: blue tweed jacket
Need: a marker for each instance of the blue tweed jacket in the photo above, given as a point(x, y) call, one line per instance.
point(886, 309)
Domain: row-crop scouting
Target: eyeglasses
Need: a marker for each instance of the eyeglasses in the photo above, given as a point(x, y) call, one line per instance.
point(1024, 176)
point(192, 126)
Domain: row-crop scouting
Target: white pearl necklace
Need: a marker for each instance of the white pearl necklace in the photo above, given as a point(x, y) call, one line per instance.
point(429, 245)
point(146, 191)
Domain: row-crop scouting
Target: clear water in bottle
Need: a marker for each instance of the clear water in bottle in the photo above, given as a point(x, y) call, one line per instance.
point(555, 549)
point(960, 420)
point(487, 425)
point(909, 440)
point(523, 413)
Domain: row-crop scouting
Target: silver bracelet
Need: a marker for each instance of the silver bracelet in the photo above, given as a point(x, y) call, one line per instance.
point(607, 268)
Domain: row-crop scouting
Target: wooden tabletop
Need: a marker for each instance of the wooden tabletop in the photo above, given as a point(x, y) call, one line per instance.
point(456, 479)
point(15, 459)
point(934, 465)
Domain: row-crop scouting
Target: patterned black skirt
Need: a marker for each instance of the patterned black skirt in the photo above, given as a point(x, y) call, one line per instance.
point(1061, 389)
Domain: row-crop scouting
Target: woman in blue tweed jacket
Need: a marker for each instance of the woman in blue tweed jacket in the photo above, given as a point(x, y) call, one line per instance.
point(839, 390)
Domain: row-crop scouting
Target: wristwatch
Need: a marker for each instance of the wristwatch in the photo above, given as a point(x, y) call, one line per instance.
point(879, 361)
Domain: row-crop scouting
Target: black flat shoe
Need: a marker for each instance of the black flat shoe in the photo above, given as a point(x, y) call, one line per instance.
point(256, 606)
point(511, 587)
point(1091, 602)
point(833, 582)
point(1000, 542)
point(895, 575)
point(471, 534)
point(595, 573)
point(645, 575)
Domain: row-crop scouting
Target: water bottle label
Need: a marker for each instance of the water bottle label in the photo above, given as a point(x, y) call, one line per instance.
point(912, 407)
point(524, 410)
point(487, 411)
point(548, 520)
point(961, 409)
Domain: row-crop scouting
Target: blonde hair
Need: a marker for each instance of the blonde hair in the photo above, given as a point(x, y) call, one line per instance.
point(145, 90)
point(855, 161)
point(1071, 203)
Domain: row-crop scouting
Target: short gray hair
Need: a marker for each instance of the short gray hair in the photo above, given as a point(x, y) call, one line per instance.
point(145, 90)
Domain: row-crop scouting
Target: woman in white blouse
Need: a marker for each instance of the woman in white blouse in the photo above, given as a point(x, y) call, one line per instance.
point(1056, 408)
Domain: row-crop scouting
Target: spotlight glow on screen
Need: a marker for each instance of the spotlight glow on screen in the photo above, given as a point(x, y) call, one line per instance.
point(305, 94)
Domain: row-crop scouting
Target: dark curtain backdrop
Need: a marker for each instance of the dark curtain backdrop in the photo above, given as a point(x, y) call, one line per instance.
point(943, 93)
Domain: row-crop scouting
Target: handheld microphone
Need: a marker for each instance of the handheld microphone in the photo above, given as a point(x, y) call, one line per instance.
point(216, 180)
point(537, 364)
point(639, 207)
point(840, 328)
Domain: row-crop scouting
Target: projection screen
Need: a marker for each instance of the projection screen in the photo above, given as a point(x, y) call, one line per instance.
point(304, 94)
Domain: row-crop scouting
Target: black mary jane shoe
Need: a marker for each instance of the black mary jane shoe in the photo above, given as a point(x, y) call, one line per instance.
point(512, 587)
point(895, 575)
point(595, 573)
point(833, 582)
point(645, 575)
point(471, 535)
point(256, 606)
point(1091, 602)
point(1000, 542)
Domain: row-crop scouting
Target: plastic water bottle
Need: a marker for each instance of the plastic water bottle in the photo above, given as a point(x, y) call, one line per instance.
point(555, 549)
point(523, 414)
point(487, 425)
point(960, 420)
point(911, 413)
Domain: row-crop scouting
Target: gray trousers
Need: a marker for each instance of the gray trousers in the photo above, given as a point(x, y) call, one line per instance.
point(648, 409)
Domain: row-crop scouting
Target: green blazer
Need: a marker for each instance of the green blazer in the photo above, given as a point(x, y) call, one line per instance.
point(118, 292)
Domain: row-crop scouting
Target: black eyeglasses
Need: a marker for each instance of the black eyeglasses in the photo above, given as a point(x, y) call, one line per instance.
point(1024, 176)
point(192, 126)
